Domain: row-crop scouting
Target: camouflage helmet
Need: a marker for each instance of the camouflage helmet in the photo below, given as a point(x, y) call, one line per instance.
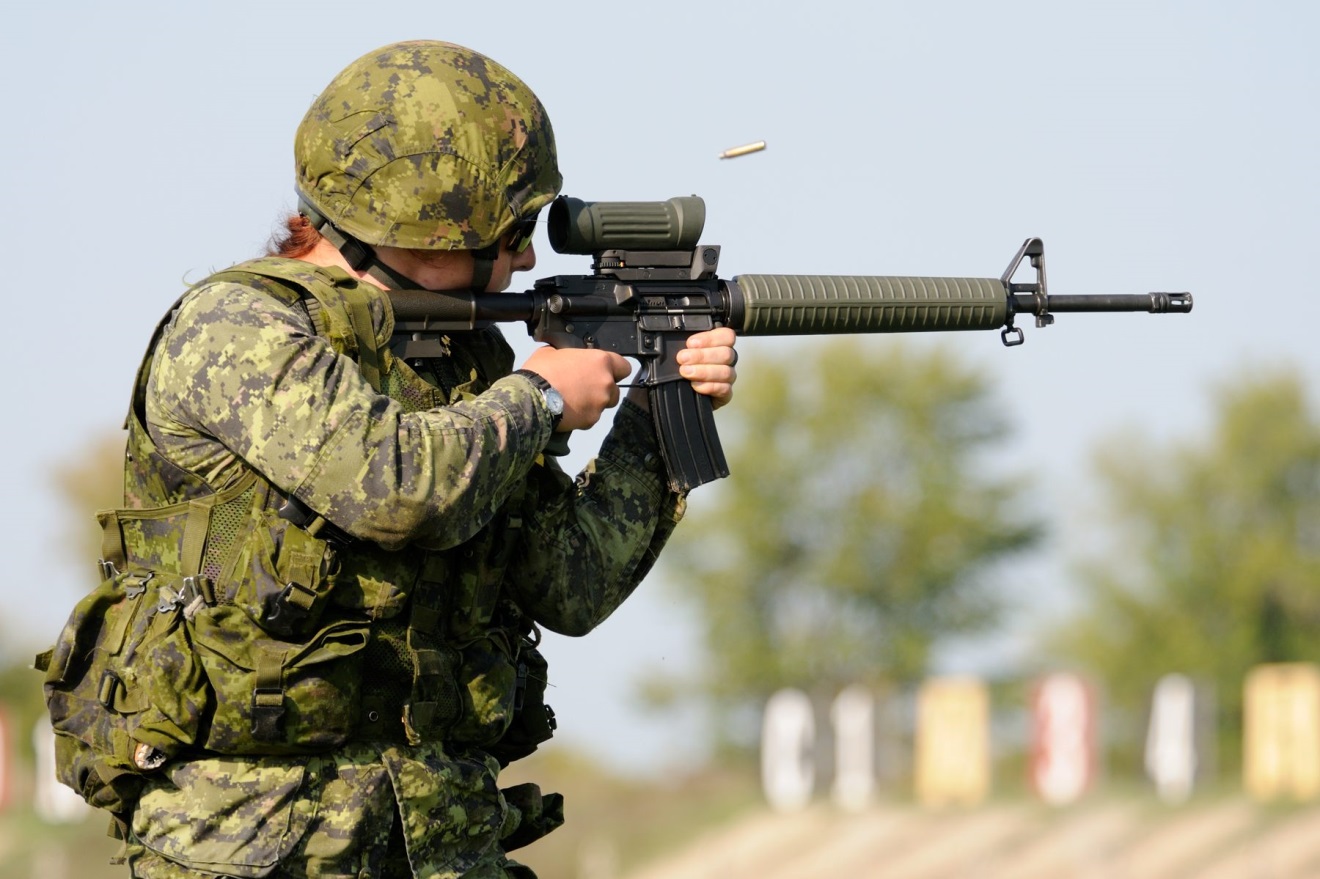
point(426, 145)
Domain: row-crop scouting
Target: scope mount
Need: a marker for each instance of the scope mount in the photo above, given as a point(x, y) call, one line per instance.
point(699, 263)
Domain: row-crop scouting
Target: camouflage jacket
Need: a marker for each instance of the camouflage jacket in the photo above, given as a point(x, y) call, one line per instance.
point(241, 379)
point(423, 478)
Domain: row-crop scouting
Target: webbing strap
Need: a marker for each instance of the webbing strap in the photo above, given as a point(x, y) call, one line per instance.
point(333, 321)
point(427, 602)
point(194, 536)
point(389, 277)
point(359, 315)
point(430, 663)
point(112, 539)
point(303, 588)
point(303, 570)
point(344, 316)
point(345, 319)
point(268, 696)
point(425, 619)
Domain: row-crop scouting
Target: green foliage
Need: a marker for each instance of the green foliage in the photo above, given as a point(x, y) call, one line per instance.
point(94, 481)
point(22, 703)
point(82, 485)
point(1217, 560)
point(858, 528)
point(91, 481)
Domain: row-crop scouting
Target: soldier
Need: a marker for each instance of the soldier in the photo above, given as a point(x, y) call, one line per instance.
point(317, 631)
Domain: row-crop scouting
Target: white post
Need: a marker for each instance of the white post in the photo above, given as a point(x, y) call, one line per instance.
point(788, 740)
point(853, 718)
point(1171, 739)
point(1063, 762)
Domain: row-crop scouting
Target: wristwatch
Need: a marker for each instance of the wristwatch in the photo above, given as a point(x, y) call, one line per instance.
point(554, 401)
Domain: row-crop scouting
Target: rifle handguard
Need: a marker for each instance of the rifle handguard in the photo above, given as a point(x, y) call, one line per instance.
point(791, 305)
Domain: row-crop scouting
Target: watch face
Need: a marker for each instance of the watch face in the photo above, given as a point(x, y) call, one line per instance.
point(555, 401)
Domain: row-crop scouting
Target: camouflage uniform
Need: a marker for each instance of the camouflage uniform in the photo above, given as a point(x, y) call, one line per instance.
point(431, 478)
point(314, 646)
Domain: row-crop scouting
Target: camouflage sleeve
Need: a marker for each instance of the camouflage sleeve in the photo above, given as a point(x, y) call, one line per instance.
point(241, 378)
point(588, 544)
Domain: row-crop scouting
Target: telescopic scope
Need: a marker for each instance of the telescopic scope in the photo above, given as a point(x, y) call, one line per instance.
point(589, 227)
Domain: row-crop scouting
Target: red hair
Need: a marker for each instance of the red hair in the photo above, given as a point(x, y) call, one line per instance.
point(295, 240)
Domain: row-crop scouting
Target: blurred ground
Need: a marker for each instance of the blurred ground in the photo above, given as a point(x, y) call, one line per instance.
point(713, 824)
point(614, 824)
point(1105, 839)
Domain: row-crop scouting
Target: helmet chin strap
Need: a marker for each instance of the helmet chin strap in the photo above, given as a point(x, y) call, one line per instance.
point(362, 258)
point(483, 266)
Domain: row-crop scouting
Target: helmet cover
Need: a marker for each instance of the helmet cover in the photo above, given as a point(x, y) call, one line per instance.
point(426, 145)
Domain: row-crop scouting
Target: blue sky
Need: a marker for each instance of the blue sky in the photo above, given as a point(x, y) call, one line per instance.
point(1153, 146)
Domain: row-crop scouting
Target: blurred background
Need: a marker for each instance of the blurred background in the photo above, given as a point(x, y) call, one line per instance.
point(937, 520)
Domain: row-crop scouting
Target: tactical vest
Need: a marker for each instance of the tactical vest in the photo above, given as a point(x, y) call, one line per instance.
point(220, 625)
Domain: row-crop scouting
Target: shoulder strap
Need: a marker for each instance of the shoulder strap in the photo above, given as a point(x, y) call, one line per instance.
point(341, 314)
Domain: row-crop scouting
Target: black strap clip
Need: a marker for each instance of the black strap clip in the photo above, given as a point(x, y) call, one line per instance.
point(297, 512)
point(290, 610)
point(267, 714)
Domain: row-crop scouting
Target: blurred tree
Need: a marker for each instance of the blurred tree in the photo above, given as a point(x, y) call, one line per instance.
point(84, 484)
point(858, 529)
point(21, 700)
point(1216, 561)
point(91, 482)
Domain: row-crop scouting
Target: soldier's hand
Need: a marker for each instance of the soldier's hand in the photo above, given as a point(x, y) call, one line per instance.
point(708, 362)
point(587, 378)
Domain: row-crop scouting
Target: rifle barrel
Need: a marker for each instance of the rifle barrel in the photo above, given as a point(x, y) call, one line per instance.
point(1154, 303)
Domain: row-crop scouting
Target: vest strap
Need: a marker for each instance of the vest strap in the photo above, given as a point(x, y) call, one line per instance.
point(268, 697)
point(359, 315)
point(426, 619)
point(342, 315)
point(114, 557)
point(194, 535)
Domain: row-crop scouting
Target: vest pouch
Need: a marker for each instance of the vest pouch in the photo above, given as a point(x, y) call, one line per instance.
point(275, 696)
point(121, 676)
point(284, 576)
point(533, 721)
point(375, 581)
point(487, 686)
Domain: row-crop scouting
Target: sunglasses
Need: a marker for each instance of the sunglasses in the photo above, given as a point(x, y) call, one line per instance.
point(519, 235)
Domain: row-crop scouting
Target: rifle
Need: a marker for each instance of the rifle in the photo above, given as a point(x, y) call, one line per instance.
point(652, 285)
